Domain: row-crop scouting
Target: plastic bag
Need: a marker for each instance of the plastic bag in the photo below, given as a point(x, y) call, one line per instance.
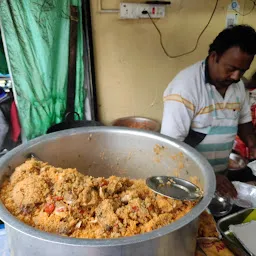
point(252, 166)
point(246, 195)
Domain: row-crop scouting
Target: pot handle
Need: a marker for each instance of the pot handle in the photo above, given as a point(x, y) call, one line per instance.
point(69, 113)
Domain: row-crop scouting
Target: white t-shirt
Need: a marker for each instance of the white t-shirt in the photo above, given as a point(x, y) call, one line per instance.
point(187, 104)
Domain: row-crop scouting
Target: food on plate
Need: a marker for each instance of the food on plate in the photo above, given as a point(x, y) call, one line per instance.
point(207, 226)
point(66, 202)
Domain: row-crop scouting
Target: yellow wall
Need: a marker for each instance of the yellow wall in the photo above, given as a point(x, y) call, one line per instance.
point(132, 70)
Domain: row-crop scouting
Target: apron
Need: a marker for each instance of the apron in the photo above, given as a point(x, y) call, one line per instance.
point(218, 139)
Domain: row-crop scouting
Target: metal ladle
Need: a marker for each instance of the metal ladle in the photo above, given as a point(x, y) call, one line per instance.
point(174, 187)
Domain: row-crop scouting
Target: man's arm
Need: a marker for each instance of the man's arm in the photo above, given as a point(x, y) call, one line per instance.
point(245, 126)
point(177, 116)
point(246, 134)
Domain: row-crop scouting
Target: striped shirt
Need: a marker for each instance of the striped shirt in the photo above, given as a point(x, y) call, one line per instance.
point(187, 104)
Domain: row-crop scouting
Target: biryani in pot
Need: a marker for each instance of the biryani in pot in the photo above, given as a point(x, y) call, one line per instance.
point(66, 202)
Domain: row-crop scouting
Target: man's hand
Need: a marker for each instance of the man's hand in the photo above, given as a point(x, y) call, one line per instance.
point(247, 135)
point(224, 187)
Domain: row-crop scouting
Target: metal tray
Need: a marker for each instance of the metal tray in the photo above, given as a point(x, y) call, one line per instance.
point(223, 226)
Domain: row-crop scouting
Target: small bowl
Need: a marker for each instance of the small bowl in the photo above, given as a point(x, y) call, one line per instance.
point(220, 206)
point(138, 122)
point(236, 162)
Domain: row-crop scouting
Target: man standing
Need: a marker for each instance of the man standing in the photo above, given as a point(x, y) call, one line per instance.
point(205, 104)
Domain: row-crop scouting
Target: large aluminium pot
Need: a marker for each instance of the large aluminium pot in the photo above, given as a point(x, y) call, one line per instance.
point(104, 151)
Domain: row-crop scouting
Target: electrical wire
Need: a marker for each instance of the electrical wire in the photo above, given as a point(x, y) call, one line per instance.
point(242, 14)
point(197, 41)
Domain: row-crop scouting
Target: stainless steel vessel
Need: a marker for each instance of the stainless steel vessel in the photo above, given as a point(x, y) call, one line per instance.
point(230, 240)
point(104, 151)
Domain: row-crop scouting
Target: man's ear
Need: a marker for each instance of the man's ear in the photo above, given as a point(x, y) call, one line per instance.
point(214, 57)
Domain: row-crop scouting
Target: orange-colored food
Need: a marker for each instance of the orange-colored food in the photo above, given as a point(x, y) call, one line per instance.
point(66, 202)
point(140, 125)
point(144, 125)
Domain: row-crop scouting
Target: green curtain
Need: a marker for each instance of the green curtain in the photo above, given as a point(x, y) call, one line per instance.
point(36, 34)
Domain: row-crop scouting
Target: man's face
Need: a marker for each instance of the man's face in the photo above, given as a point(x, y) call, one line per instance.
point(229, 67)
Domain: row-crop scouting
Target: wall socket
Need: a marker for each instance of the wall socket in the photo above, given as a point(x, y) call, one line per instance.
point(232, 17)
point(134, 11)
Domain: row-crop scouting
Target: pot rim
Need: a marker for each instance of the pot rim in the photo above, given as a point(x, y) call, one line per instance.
point(209, 190)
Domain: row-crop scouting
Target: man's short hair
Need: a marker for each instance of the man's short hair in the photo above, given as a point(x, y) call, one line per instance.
point(242, 36)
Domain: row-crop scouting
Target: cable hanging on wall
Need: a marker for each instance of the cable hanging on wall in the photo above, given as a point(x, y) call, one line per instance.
point(242, 14)
point(197, 41)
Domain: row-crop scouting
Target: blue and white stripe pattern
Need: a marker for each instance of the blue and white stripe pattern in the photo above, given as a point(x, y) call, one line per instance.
point(217, 146)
